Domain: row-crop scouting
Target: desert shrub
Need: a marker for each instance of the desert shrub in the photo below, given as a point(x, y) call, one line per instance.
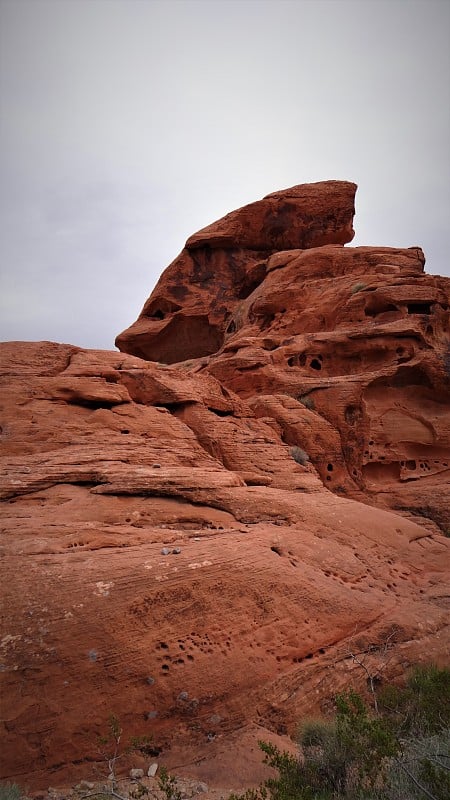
point(167, 785)
point(358, 287)
point(422, 707)
point(299, 455)
point(10, 791)
point(111, 747)
point(306, 401)
point(401, 753)
point(422, 769)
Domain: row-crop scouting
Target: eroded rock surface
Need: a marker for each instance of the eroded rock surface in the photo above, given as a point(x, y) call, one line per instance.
point(167, 560)
point(345, 349)
point(200, 547)
point(190, 308)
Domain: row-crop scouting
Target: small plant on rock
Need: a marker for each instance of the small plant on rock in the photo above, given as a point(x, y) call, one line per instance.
point(306, 401)
point(167, 784)
point(10, 791)
point(358, 287)
point(111, 748)
point(299, 455)
point(400, 752)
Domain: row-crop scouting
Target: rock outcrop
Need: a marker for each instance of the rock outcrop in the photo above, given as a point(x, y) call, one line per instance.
point(346, 349)
point(200, 547)
point(189, 311)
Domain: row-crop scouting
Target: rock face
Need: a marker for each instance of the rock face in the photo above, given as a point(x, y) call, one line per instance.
point(188, 312)
point(172, 552)
point(345, 349)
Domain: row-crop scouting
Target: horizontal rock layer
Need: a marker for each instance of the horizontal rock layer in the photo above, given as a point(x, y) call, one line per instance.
point(165, 558)
point(202, 546)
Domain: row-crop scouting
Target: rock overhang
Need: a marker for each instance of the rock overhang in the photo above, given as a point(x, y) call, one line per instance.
point(223, 263)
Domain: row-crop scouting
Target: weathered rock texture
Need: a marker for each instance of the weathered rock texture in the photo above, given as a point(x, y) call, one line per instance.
point(188, 312)
point(345, 349)
point(165, 555)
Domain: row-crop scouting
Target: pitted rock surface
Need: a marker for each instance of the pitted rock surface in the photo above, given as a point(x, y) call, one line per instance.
point(274, 581)
point(166, 558)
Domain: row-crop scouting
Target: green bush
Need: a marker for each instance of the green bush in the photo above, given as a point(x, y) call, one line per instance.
point(167, 785)
point(10, 791)
point(422, 707)
point(299, 455)
point(401, 753)
point(306, 401)
point(358, 287)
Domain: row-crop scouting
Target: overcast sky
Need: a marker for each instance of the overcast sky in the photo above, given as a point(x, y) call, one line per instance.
point(126, 125)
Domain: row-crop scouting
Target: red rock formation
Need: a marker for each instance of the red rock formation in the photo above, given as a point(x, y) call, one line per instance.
point(188, 311)
point(165, 558)
point(170, 554)
point(346, 349)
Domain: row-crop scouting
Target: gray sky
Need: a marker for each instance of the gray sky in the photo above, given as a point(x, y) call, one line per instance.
point(126, 125)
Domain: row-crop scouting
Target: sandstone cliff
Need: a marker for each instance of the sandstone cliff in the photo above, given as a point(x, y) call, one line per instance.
point(200, 545)
point(345, 349)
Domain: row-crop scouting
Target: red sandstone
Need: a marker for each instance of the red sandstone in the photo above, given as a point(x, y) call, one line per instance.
point(284, 338)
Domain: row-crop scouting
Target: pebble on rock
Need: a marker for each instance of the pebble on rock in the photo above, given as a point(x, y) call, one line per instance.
point(135, 774)
point(152, 770)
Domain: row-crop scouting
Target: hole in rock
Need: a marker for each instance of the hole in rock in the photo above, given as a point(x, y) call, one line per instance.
point(158, 309)
point(220, 412)
point(419, 308)
point(405, 376)
point(252, 281)
point(373, 308)
point(94, 405)
point(231, 327)
point(352, 414)
point(330, 467)
point(381, 472)
point(291, 361)
point(269, 344)
point(276, 549)
point(266, 321)
point(411, 464)
point(315, 364)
